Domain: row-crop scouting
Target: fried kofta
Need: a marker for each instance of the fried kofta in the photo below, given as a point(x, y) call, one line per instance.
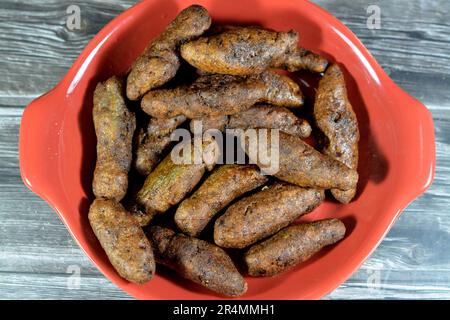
point(264, 213)
point(250, 50)
point(338, 124)
point(298, 162)
point(154, 141)
point(160, 61)
point(259, 116)
point(114, 127)
point(224, 185)
point(197, 260)
point(215, 95)
point(123, 240)
point(291, 246)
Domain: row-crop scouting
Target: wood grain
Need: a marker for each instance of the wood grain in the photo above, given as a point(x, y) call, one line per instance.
point(36, 49)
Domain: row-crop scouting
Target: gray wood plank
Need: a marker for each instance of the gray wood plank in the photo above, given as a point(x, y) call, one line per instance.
point(36, 49)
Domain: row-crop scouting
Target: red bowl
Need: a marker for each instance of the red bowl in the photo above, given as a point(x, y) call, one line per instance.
point(397, 147)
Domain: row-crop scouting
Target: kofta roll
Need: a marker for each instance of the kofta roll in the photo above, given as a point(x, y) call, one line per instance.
point(338, 124)
point(264, 213)
point(198, 260)
point(291, 246)
point(160, 61)
point(154, 141)
point(114, 127)
point(216, 95)
point(298, 162)
point(224, 185)
point(250, 50)
point(259, 116)
point(123, 240)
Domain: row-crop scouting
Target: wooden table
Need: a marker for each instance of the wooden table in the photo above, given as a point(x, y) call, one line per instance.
point(37, 254)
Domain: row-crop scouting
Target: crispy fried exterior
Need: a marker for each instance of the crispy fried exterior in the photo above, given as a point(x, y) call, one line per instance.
point(259, 116)
point(337, 122)
point(131, 204)
point(123, 240)
point(270, 117)
point(239, 51)
point(114, 126)
point(249, 50)
point(291, 246)
point(302, 165)
point(154, 142)
point(215, 95)
point(168, 184)
point(159, 62)
point(224, 185)
point(160, 239)
point(142, 216)
point(198, 261)
point(264, 213)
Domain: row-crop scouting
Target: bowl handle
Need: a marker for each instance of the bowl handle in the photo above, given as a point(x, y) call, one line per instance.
point(419, 156)
point(38, 145)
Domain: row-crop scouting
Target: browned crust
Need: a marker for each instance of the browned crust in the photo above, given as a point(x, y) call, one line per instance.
point(264, 213)
point(302, 59)
point(291, 246)
point(259, 116)
point(337, 122)
point(160, 239)
point(159, 62)
point(114, 127)
point(241, 51)
point(198, 261)
point(215, 95)
point(123, 240)
point(302, 165)
point(131, 204)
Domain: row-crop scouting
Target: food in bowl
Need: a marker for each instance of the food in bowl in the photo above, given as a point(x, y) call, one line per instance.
point(235, 86)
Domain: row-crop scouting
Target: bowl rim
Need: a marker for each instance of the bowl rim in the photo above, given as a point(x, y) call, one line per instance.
point(76, 72)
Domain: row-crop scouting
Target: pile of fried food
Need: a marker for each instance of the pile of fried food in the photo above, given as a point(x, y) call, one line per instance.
point(235, 87)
